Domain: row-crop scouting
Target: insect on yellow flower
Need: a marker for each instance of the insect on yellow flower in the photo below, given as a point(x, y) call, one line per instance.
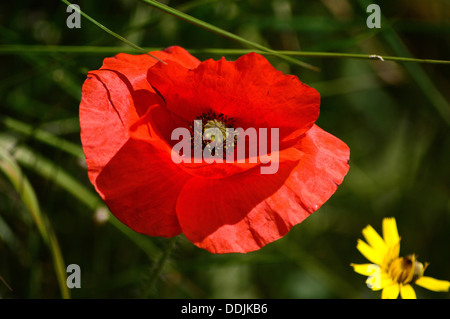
point(388, 271)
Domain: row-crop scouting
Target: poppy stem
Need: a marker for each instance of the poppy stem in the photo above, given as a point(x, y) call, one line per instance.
point(158, 268)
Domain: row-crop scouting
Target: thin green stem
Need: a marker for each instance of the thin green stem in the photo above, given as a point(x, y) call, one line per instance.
point(58, 261)
point(225, 33)
point(101, 26)
point(13, 49)
point(417, 73)
point(159, 268)
point(5, 283)
point(422, 79)
point(312, 54)
point(12, 170)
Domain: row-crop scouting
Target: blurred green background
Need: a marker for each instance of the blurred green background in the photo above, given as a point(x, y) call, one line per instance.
point(394, 116)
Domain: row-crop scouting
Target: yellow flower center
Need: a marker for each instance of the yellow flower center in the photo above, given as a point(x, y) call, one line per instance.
point(212, 124)
point(215, 124)
point(405, 269)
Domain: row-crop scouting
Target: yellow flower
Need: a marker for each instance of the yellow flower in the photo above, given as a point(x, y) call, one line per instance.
point(388, 271)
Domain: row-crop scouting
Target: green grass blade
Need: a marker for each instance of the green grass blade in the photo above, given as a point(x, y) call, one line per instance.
point(7, 236)
point(5, 283)
point(60, 127)
point(21, 184)
point(49, 170)
point(44, 49)
point(423, 81)
point(43, 136)
point(117, 36)
point(13, 172)
point(224, 33)
point(420, 77)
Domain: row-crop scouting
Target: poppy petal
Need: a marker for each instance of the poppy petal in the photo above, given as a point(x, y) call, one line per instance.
point(364, 269)
point(229, 214)
point(140, 185)
point(252, 92)
point(134, 67)
point(106, 112)
point(113, 98)
point(374, 239)
point(244, 212)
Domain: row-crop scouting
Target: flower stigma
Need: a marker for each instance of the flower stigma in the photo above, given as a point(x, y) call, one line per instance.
point(217, 133)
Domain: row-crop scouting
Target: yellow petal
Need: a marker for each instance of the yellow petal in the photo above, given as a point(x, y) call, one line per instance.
point(391, 254)
point(407, 292)
point(390, 292)
point(380, 283)
point(390, 232)
point(364, 269)
point(373, 239)
point(433, 284)
point(371, 254)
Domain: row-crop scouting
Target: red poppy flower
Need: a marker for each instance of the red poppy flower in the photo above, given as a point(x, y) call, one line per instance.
point(133, 103)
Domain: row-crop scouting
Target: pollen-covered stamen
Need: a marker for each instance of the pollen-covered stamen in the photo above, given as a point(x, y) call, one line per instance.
point(406, 269)
point(215, 132)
